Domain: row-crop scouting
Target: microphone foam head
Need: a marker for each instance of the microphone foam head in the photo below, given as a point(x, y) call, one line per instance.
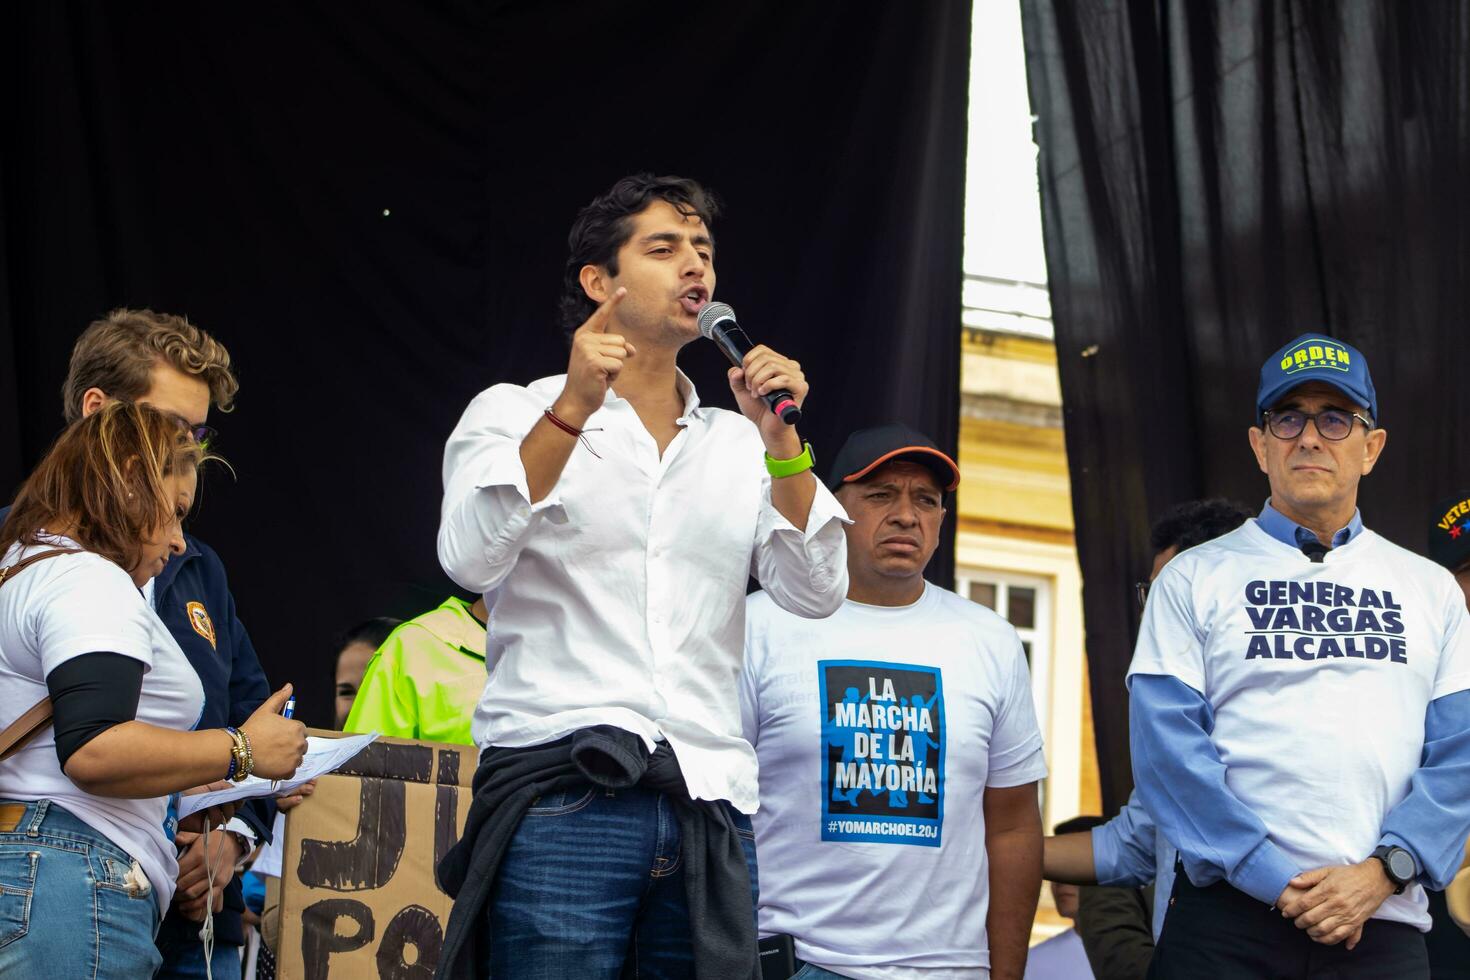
point(711, 314)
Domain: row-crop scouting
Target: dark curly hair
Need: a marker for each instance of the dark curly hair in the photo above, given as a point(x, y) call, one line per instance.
point(604, 226)
point(1197, 521)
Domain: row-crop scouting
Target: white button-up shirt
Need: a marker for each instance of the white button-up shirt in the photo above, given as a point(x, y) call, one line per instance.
point(619, 598)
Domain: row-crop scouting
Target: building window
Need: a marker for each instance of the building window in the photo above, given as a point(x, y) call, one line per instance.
point(1023, 601)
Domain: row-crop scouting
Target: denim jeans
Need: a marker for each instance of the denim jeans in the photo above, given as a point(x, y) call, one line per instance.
point(810, 972)
point(592, 888)
point(185, 961)
point(72, 903)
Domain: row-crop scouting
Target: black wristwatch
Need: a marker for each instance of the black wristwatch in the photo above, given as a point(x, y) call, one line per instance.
point(1398, 864)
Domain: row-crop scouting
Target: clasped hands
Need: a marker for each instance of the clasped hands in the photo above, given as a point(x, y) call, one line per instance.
point(1332, 904)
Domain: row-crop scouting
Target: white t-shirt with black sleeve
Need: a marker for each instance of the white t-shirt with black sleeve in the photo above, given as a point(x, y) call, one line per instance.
point(1319, 676)
point(877, 732)
point(62, 608)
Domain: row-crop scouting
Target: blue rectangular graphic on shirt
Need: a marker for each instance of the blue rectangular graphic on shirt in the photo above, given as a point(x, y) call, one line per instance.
point(883, 752)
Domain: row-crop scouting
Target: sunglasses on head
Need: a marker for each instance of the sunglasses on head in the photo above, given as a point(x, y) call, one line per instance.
point(202, 435)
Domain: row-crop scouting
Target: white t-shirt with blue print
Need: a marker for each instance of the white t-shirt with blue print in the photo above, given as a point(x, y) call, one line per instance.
point(877, 732)
point(1318, 674)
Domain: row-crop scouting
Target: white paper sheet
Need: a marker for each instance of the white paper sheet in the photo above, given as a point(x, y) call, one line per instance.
point(268, 861)
point(323, 755)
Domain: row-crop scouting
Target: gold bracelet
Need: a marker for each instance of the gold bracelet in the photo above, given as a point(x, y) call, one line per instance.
point(247, 765)
point(243, 760)
point(234, 753)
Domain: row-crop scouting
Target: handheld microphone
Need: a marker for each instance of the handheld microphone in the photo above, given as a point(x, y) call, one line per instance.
point(717, 322)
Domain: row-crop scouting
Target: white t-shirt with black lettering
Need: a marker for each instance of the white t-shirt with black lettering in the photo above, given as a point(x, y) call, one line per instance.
point(877, 731)
point(59, 609)
point(1319, 676)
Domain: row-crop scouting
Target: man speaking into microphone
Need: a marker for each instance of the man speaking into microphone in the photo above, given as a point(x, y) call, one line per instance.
point(617, 519)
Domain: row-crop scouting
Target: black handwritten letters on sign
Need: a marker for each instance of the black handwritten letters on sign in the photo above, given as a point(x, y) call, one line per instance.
point(363, 884)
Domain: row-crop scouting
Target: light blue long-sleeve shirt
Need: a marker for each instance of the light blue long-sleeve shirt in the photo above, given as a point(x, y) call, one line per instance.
point(1181, 779)
point(1129, 852)
point(1183, 787)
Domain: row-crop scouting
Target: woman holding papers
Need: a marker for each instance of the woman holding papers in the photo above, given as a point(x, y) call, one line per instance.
point(87, 815)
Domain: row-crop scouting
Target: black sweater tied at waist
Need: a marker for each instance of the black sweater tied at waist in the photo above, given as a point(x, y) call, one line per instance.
point(508, 782)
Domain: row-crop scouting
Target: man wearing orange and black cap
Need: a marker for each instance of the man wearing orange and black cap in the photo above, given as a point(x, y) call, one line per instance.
point(898, 829)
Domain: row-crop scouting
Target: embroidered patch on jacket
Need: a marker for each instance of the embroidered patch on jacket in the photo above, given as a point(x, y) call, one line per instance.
point(203, 625)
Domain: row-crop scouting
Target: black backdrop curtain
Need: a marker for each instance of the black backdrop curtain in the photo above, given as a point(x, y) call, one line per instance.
point(1216, 178)
point(368, 203)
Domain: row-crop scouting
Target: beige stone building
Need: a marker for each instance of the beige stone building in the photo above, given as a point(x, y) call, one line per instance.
point(1015, 550)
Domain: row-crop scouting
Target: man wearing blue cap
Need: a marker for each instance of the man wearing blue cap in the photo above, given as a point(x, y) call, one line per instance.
point(1300, 702)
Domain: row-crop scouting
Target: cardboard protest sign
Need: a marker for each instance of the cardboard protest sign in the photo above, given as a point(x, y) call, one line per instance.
point(358, 894)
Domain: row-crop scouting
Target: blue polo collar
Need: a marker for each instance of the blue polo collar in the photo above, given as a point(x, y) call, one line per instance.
point(1289, 532)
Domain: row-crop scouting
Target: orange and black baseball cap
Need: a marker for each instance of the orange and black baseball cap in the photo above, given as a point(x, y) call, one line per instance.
point(867, 449)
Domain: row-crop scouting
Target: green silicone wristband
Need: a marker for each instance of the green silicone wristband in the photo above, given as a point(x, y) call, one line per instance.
point(790, 467)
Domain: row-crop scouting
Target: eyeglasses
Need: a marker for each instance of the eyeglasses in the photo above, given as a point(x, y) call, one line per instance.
point(202, 435)
point(1141, 589)
point(1333, 424)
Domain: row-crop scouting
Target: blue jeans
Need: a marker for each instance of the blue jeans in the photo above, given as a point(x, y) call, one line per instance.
point(185, 961)
point(810, 972)
point(592, 888)
point(72, 903)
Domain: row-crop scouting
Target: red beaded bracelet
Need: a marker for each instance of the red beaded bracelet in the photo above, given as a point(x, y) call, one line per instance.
point(573, 431)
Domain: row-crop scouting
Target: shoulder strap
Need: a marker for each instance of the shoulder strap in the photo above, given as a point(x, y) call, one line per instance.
point(11, 571)
point(38, 715)
point(24, 728)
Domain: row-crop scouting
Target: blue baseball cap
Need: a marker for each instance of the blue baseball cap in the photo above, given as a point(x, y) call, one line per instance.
point(1315, 357)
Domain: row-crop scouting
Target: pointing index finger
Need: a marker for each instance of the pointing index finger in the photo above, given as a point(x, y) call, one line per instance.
point(597, 322)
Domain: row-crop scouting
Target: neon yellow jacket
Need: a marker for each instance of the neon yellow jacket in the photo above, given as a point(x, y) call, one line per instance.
point(426, 678)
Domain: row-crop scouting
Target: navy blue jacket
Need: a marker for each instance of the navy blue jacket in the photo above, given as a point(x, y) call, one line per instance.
point(192, 597)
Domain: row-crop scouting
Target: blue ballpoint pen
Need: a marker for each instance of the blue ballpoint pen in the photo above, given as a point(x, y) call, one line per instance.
point(286, 712)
